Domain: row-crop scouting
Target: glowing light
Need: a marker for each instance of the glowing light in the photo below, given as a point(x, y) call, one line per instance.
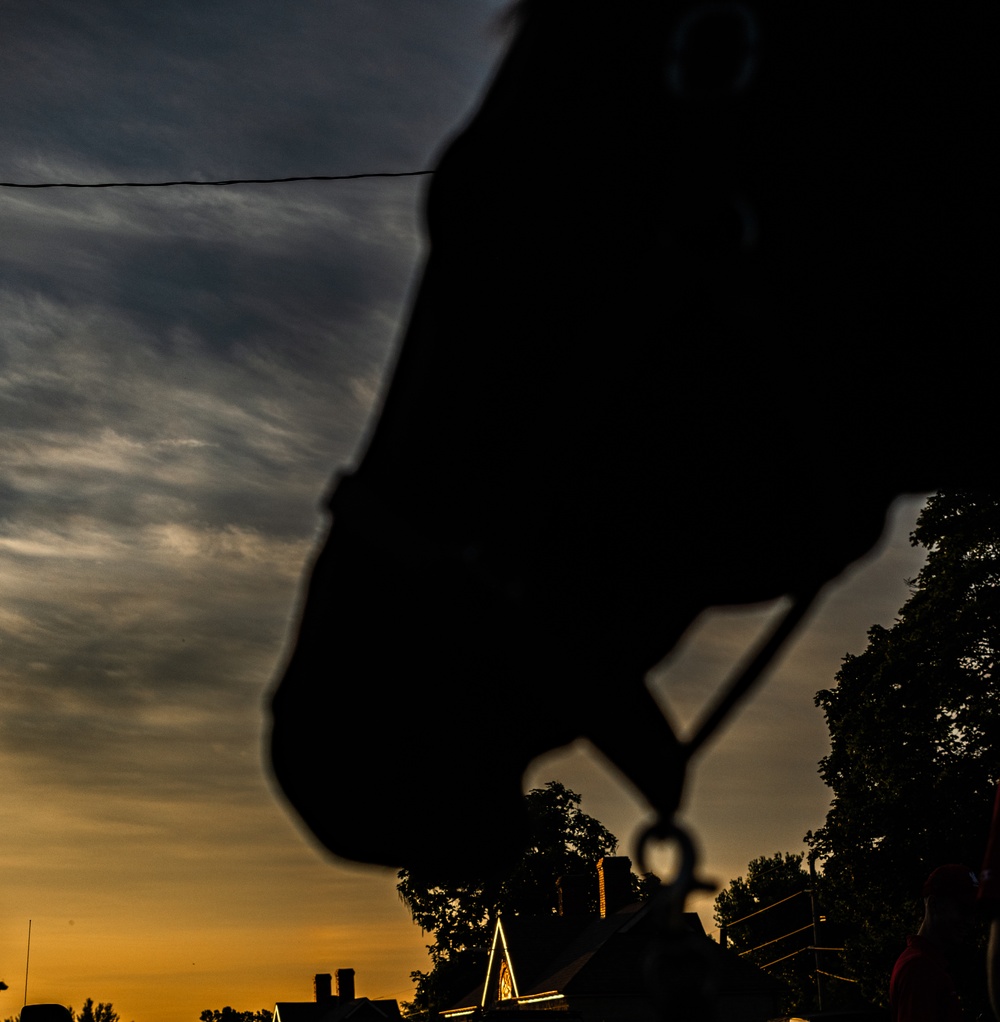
point(498, 932)
point(552, 995)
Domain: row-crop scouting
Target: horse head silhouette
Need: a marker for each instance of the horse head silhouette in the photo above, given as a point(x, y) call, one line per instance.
point(706, 288)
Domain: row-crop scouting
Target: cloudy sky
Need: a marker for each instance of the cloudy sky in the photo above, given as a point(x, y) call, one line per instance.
point(181, 370)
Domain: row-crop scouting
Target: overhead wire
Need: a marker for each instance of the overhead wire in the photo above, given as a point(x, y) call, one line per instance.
point(221, 183)
point(833, 975)
point(785, 958)
point(774, 904)
point(768, 943)
point(808, 947)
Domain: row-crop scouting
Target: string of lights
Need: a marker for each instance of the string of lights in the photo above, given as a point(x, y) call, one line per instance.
point(214, 184)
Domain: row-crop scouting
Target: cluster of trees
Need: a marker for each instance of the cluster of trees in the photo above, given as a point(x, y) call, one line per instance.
point(90, 1012)
point(99, 1012)
point(914, 726)
point(232, 1015)
point(104, 1012)
point(768, 919)
point(775, 918)
point(460, 912)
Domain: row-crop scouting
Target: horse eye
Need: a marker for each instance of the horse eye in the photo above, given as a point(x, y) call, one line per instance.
point(713, 51)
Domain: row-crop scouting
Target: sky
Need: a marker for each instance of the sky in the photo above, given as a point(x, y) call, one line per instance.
point(181, 372)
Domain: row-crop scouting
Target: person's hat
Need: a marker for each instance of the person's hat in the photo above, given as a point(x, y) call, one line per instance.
point(952, 881)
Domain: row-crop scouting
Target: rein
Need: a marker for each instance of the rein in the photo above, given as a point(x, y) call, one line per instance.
point(680, 971)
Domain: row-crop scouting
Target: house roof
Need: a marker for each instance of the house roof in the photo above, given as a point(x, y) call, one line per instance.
point(359, 1009)
point(588, 956)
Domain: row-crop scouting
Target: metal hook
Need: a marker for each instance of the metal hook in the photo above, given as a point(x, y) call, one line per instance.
point(680, 972)
point(685, 880)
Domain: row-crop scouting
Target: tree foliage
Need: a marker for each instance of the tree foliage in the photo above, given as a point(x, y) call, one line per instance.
point(232, 1015)
point(764, 916)
point(914, 727)
point(100, 1012)
point(90, 1012)
point(460, 912)
point(768, 919)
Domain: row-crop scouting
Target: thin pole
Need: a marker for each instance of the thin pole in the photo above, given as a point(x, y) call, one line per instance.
point(27, 959)
point(815, 924)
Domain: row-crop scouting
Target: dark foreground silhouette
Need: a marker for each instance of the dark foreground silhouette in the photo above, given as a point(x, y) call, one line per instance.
point(709, 285)
point(45, 1013)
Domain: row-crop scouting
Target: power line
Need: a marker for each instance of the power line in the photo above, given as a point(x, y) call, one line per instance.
point(768, 943)
point(833, 975)
point(214, 184)
point(774, 904)
point(786, 957)
point(808, 947)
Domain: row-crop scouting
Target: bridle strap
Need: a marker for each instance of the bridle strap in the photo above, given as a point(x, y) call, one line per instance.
point(680, 969)
point(753, 670)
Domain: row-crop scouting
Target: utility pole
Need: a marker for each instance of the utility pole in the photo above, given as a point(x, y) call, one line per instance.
point(27, 960)
point(815, 922)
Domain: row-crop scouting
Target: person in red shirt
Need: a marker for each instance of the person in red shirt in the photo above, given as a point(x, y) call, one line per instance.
point(921, 988)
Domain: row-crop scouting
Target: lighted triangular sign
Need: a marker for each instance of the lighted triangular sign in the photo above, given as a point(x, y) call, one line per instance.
point(501, 984)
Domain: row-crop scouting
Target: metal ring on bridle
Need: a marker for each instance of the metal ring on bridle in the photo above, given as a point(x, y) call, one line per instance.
point(677, 69)
point(669, 830)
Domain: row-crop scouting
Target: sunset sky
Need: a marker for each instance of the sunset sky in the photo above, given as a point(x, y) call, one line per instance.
point(181, 370)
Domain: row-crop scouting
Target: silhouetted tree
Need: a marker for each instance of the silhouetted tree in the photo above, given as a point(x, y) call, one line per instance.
point(100, 1012)
point(915, 738)
point(774, 897)
point(563, 841)
point(232, 1015)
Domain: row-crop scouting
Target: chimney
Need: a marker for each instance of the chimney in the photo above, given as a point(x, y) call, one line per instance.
point(321, 985)
point(614, 878)
point(573, 893)
point(345, 984)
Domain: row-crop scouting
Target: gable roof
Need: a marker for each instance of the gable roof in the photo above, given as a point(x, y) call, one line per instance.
point(359, 1009)
point(588, 956)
